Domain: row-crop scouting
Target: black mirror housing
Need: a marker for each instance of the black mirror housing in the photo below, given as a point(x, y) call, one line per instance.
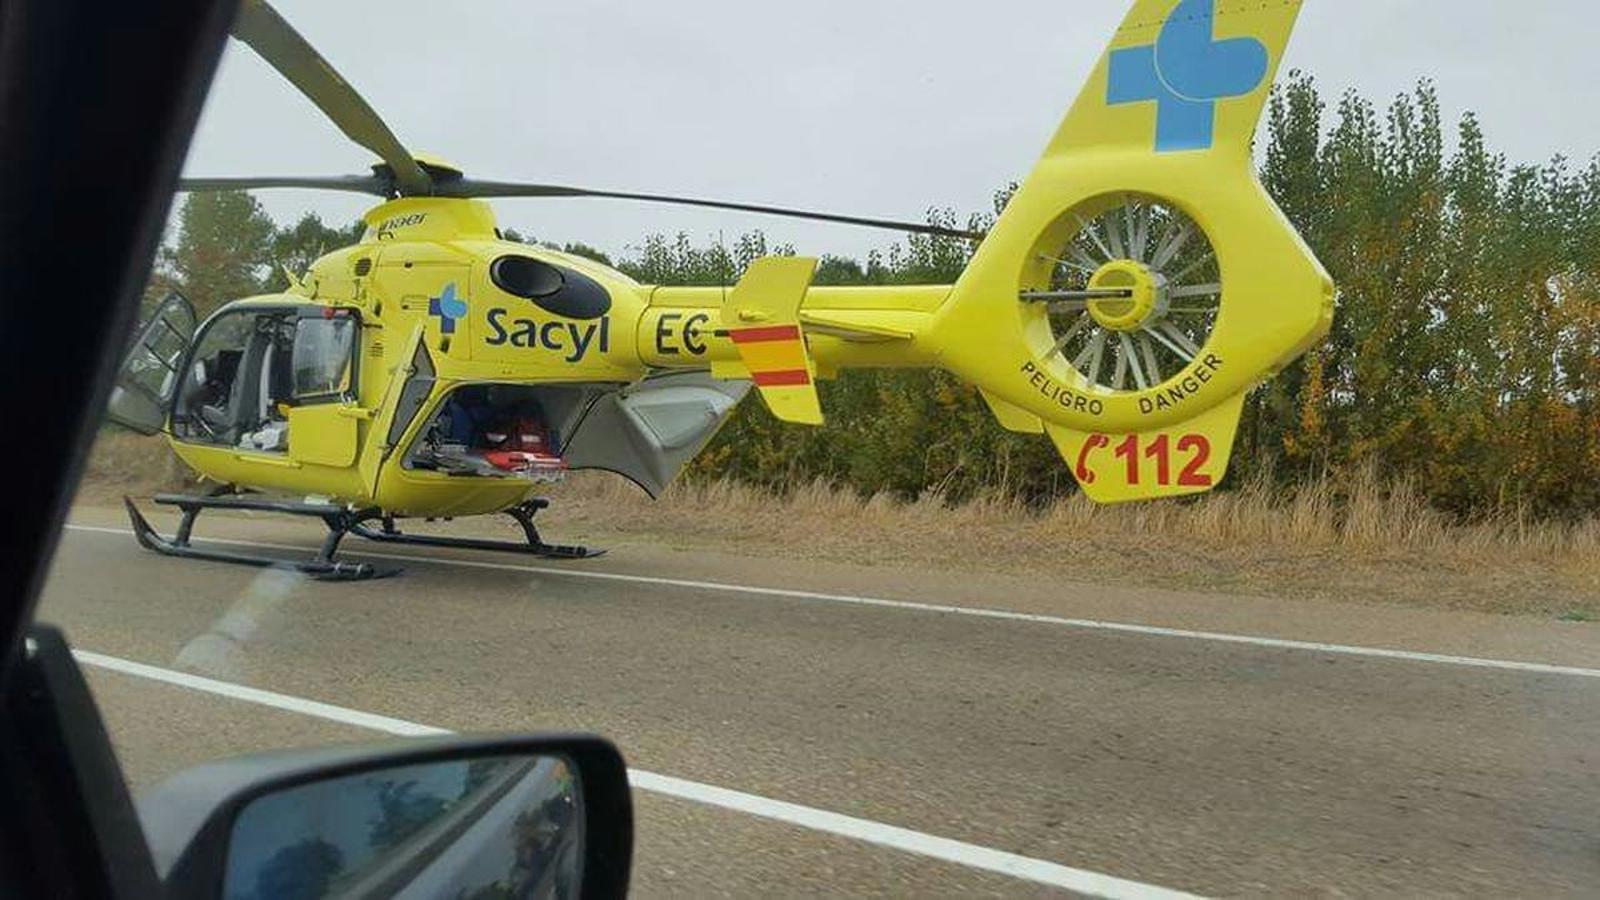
point(190, 820)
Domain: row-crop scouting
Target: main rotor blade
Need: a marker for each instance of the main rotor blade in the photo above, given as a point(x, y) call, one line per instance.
point(260, 26)
point(380, 186)
point(471, 187)
point(356, 184)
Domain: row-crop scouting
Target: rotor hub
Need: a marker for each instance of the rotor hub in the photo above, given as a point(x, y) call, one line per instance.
point(1134, 292)
point(1145, 289)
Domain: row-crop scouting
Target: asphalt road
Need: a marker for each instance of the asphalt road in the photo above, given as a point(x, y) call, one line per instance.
point(1179, 761)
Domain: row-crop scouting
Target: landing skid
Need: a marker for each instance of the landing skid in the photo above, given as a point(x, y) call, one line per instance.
point(534, 545)
point(322, 566)
point(340, 522)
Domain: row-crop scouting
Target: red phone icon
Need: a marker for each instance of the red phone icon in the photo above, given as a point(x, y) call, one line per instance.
point(1095, 441)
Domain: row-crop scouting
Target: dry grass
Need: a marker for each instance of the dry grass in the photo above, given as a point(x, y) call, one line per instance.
point(1358, 538)
point(122, 462)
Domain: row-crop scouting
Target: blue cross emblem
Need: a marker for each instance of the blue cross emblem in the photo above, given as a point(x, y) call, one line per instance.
point(448, 307)
point(1186, 72)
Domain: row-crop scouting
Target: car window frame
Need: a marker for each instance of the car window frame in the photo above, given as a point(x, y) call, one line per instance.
point(118, 90)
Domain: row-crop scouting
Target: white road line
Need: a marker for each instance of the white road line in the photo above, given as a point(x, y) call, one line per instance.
point(975, 612)
point(961, 853)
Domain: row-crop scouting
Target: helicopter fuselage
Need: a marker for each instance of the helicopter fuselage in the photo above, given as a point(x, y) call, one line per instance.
point(433, 275)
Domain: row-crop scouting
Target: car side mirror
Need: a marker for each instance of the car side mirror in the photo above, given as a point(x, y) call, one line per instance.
point(428, 817)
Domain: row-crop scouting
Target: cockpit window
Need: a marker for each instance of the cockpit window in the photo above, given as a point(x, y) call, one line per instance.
point(321, 356)
point(525, 276)
point(564, 292)
point(251, 364)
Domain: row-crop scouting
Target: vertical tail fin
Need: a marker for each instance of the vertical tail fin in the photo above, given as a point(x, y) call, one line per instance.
point(1181, 77)
point(762, 316)
point(1141, 280)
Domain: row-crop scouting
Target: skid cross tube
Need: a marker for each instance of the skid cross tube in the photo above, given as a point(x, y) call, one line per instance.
point(523, 513)
point(339, 519)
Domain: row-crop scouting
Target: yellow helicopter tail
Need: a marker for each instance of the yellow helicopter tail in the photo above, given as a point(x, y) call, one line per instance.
point(1137, 285)
point(1140, 281)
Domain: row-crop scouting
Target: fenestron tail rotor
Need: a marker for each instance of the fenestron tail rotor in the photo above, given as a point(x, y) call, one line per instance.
point(1114, 338)
point(401, 174)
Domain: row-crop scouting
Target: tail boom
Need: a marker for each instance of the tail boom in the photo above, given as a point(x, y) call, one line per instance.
point(1137, 285)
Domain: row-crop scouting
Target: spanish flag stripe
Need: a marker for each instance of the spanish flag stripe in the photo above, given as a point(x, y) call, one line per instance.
point(765, 333)
point(773, 356)
point(783, 378)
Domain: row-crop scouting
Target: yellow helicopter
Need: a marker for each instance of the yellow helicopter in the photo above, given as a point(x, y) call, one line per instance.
point(1137, 285)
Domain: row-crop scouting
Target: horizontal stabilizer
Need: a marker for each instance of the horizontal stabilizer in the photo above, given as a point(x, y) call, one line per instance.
point(762, 317)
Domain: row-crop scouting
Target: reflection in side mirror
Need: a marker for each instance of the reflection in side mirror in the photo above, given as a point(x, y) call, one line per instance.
point(499, 826)
point(449, 816)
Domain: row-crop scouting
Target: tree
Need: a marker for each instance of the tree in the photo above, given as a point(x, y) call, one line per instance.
point(295, 248)
point(402, 812)
point(574, 248)
point(300, 871)
point(223, 248)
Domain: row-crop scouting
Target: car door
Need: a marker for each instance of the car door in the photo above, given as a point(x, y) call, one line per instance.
point(141, 398)
point(94, 125)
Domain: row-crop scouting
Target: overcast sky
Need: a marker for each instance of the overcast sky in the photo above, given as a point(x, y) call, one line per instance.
point(857, 106)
